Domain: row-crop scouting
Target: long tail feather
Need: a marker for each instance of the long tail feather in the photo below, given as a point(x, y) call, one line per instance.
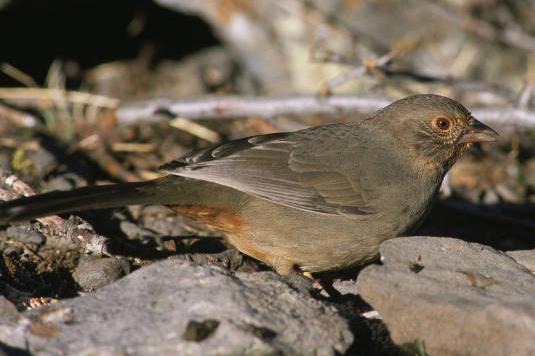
point(94, 197)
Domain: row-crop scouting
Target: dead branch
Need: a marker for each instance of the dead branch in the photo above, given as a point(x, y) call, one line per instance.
point(229, 107)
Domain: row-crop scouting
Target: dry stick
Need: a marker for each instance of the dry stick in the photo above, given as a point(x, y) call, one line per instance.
point(50, 96)
point(76, 230)
point(382, 64)
point(96, 148)
point(229, 107)
point(365, 67)
point(525, 95)
point(17, 117)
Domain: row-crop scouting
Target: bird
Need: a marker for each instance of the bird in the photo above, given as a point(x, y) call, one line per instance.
point(319, 199)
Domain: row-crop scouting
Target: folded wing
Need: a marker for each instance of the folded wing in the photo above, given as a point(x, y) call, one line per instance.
point(304, 170)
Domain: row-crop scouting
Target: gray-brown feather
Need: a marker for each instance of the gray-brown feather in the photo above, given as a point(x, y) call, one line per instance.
point(297, 169)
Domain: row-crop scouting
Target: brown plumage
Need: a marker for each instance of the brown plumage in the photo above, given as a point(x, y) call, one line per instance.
point(318, 199)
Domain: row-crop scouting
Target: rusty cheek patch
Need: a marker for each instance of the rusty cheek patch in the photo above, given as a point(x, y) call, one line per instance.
point(216, 217)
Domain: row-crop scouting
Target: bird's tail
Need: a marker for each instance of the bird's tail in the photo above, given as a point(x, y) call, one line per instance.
point(94, 197)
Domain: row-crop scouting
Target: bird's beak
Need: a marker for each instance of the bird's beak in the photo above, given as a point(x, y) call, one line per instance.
point(478, 132)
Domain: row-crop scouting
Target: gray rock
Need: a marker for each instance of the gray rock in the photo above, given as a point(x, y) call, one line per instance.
point(10, 319)
point(173, 307)
point(25, 236)
point(133, 231)
point(525, 257)
point(8, 312)
point(456, 297)
point(346, 286)
point(95, 272)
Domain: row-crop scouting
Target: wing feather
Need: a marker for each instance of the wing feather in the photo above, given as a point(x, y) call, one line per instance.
point(292, 169)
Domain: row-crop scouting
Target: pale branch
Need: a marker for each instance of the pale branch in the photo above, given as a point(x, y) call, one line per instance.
point(228, 107)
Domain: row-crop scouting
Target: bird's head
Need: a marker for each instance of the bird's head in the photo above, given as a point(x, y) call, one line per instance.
point(434, 128)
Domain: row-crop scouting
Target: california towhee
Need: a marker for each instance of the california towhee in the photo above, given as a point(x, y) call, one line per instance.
point(318, 199)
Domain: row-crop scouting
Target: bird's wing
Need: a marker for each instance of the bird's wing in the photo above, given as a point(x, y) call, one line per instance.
point(293, 169)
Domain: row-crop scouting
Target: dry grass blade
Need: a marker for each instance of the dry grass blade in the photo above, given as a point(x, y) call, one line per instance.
point(96, 149)
point(18, 75)
point(133, 147)
point(17, 117)
point(195, 129)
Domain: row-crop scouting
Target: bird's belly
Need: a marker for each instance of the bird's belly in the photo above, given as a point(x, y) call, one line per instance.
point(319, 242)
point(313, 242)
point(283, 237)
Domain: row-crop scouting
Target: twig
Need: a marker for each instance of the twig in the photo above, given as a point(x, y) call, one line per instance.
point(51, 96)
point(467, 85)
point(96, 148)
point(227, 107)
point(17, 117)
point(383, 65)
point(525, 95)
point(365, 66)
point(230, 107)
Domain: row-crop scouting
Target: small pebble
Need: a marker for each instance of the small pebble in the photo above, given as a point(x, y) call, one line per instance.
point(95, 272)
point(131, 230)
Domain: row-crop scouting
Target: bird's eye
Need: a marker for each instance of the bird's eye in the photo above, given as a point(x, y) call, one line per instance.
point(442, 123)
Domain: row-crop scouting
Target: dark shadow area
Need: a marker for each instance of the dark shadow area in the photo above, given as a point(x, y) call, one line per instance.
point(503, 226)
point(149, 246)
point(13, 351)
point(33, 33)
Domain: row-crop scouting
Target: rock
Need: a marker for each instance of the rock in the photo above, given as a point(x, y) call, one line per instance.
point(525, 257)
point(25, 236)
point(345, 286)
point(9, 320)
point(175, 307)
point(131, 230)
point(95, 272)
point(8, 312)
point(455, 297)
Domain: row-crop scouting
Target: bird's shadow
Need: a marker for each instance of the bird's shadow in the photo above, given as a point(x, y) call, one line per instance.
point(149, 247)
point(504, 227)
